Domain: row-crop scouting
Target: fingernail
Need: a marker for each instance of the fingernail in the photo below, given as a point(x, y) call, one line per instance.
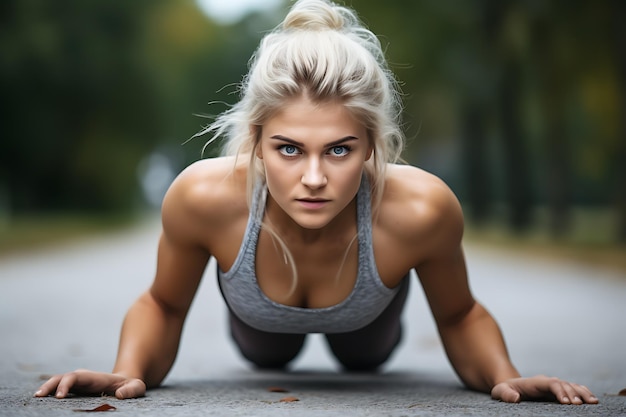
point(59, 395)
point(565, 400)
point(38, 393)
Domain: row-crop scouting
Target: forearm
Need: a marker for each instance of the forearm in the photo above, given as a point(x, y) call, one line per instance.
point(477, 351)
point(148, 342)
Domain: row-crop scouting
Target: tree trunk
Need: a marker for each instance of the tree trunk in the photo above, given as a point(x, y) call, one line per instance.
point(514, 148)
point(557, 178)
point(619, 17)
point(475, 163)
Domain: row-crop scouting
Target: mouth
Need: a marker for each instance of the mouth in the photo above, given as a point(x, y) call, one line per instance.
point(312, 203)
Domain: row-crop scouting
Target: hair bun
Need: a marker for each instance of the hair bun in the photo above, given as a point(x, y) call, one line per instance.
point(314, 15)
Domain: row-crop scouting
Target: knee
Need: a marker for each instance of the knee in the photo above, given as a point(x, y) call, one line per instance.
point(356, 354)
point(277, 358)
point(265, 350)
point(361, 363)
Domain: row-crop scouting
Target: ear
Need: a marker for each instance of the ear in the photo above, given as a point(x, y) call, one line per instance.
point(370, 150)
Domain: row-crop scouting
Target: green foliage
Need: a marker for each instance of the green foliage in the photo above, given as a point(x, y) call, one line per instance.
point(73, 94)
point(513, 103)
point(90, 88)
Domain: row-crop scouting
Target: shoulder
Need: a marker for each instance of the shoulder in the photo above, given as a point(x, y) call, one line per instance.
point(205, 196)
point(420, 210)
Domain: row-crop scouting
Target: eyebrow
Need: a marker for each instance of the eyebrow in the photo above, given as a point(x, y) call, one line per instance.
point(301, 145)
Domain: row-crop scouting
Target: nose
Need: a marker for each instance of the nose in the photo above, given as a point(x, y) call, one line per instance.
point(314, 176)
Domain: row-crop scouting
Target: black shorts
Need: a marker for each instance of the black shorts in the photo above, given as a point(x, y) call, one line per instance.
point(364, 349)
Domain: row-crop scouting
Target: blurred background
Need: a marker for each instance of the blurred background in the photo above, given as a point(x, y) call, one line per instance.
point(520, 106)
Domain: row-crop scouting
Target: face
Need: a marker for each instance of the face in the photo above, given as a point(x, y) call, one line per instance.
point(314, 156)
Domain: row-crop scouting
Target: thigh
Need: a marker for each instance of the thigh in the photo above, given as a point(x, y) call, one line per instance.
point(367, 348)
point(265, 349)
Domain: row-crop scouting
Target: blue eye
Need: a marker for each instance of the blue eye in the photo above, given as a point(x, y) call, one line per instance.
point(288, 150)
point(339, 150)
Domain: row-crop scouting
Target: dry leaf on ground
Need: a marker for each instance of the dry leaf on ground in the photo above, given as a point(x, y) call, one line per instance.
point(103, 407)
point(289, 400)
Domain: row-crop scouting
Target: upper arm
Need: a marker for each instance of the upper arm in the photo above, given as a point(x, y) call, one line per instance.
point(179, 271)
point(441, 268)
point(445, 284)
point(182, 254)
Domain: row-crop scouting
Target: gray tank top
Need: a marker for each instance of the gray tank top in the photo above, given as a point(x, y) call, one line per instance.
point(247, 301)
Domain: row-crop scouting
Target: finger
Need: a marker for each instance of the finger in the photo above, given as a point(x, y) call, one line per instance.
point(132, 389)
point(555, 387)
point(586, 394)
point(567, 393)
point(564, 392)
point(65, 384)
point(572, 394)
point(48, 387)
point(504, 392)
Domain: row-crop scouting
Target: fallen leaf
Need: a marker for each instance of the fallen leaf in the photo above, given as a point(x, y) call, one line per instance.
point(622, 392)
point(103, 407)
point(277, 389)
point(289, 400)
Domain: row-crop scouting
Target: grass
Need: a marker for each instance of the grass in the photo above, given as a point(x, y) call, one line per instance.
point(589, 241)
point(26, 232)
point(610, 255)
point(591, 238)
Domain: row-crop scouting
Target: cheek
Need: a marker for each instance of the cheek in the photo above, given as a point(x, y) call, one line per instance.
point(272, 166)
point(277, 176)
point(348, 180)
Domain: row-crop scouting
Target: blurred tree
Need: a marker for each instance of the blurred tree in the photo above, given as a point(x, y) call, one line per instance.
point(507, 37)
point(618, 31)
point(90, 88)
point(76, 106)
point(474, 77)
point(554, 74)
point(520, 102)
point(523, 89)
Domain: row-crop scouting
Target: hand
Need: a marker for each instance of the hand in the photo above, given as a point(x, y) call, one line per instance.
point(87, 382)
point(542, 387)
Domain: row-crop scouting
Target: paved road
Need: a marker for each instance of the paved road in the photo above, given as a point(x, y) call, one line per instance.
point(61, 309)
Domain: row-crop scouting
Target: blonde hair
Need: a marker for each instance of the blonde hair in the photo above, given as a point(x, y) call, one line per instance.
point(320, 49)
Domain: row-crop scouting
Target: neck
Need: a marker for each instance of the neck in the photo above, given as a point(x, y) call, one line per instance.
point(339, 230)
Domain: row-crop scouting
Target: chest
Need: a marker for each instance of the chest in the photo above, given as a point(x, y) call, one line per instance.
point(323, 275)
point(314, 275)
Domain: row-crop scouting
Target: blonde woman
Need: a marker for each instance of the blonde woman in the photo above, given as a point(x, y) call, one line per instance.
point(314, 226)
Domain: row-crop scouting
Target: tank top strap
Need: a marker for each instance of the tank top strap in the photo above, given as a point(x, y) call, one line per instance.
point(257, 205)
point(364, 210)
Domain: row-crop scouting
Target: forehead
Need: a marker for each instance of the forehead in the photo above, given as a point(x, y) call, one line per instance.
point(301, 119)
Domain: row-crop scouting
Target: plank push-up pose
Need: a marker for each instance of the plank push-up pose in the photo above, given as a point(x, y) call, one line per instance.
point(314, 226)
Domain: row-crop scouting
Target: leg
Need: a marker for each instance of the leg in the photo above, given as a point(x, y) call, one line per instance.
point(368, 348)
point(265, 350)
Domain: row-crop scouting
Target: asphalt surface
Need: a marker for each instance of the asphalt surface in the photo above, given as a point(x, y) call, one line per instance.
point(61, 309)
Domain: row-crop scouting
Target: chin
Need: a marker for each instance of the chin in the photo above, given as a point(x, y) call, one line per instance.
point(311, 224)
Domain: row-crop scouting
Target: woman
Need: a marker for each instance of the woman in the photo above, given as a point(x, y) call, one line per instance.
point(314, 227)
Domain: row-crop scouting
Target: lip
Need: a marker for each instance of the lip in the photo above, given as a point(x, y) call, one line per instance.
point(312, 203)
